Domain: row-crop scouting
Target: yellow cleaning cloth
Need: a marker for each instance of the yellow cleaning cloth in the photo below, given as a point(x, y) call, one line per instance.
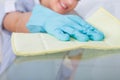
point(26, 44)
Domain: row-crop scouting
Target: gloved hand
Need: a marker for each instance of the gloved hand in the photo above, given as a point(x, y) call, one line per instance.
point(62, 26)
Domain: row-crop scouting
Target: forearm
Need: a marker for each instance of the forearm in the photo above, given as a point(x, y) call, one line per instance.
point(16, 21)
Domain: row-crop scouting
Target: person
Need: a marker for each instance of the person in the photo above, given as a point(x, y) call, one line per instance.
point(19, 14)
point(16, 21)
point(23, 13)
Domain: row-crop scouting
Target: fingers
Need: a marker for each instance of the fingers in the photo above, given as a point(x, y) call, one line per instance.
point(75, 34)
point(96, 36)
point(59, 34)
point(93, 33)
point(86, 29)
point(64, 34)
point(81, 37)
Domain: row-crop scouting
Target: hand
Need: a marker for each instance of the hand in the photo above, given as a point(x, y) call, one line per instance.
point(62, 26)
point(86, 28)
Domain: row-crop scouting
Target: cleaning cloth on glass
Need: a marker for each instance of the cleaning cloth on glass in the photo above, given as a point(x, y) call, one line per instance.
point(26, 44)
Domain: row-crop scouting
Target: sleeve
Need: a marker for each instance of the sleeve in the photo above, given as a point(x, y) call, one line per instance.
point(2, 14)
point(24, 5)
point(19, 5)
point(1, 17)
point(5, 7)
point(9, 6)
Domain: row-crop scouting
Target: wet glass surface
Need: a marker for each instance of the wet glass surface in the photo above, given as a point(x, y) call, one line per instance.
point(92, 65)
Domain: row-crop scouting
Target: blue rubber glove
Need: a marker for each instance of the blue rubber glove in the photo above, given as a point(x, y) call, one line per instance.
point(87, 28)
point(62, 26)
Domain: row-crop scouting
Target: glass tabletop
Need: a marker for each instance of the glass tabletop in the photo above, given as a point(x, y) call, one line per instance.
point(90, 65)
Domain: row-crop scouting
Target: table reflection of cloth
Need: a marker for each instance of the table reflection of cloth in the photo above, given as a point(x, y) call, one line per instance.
point(92, 66)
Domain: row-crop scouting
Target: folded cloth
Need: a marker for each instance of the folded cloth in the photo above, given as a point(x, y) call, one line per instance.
point(27, 44)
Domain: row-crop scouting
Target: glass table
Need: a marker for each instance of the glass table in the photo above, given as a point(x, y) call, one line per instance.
point(91, 65)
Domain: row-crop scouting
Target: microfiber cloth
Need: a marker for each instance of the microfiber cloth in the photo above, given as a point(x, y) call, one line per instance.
point(28, 44)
